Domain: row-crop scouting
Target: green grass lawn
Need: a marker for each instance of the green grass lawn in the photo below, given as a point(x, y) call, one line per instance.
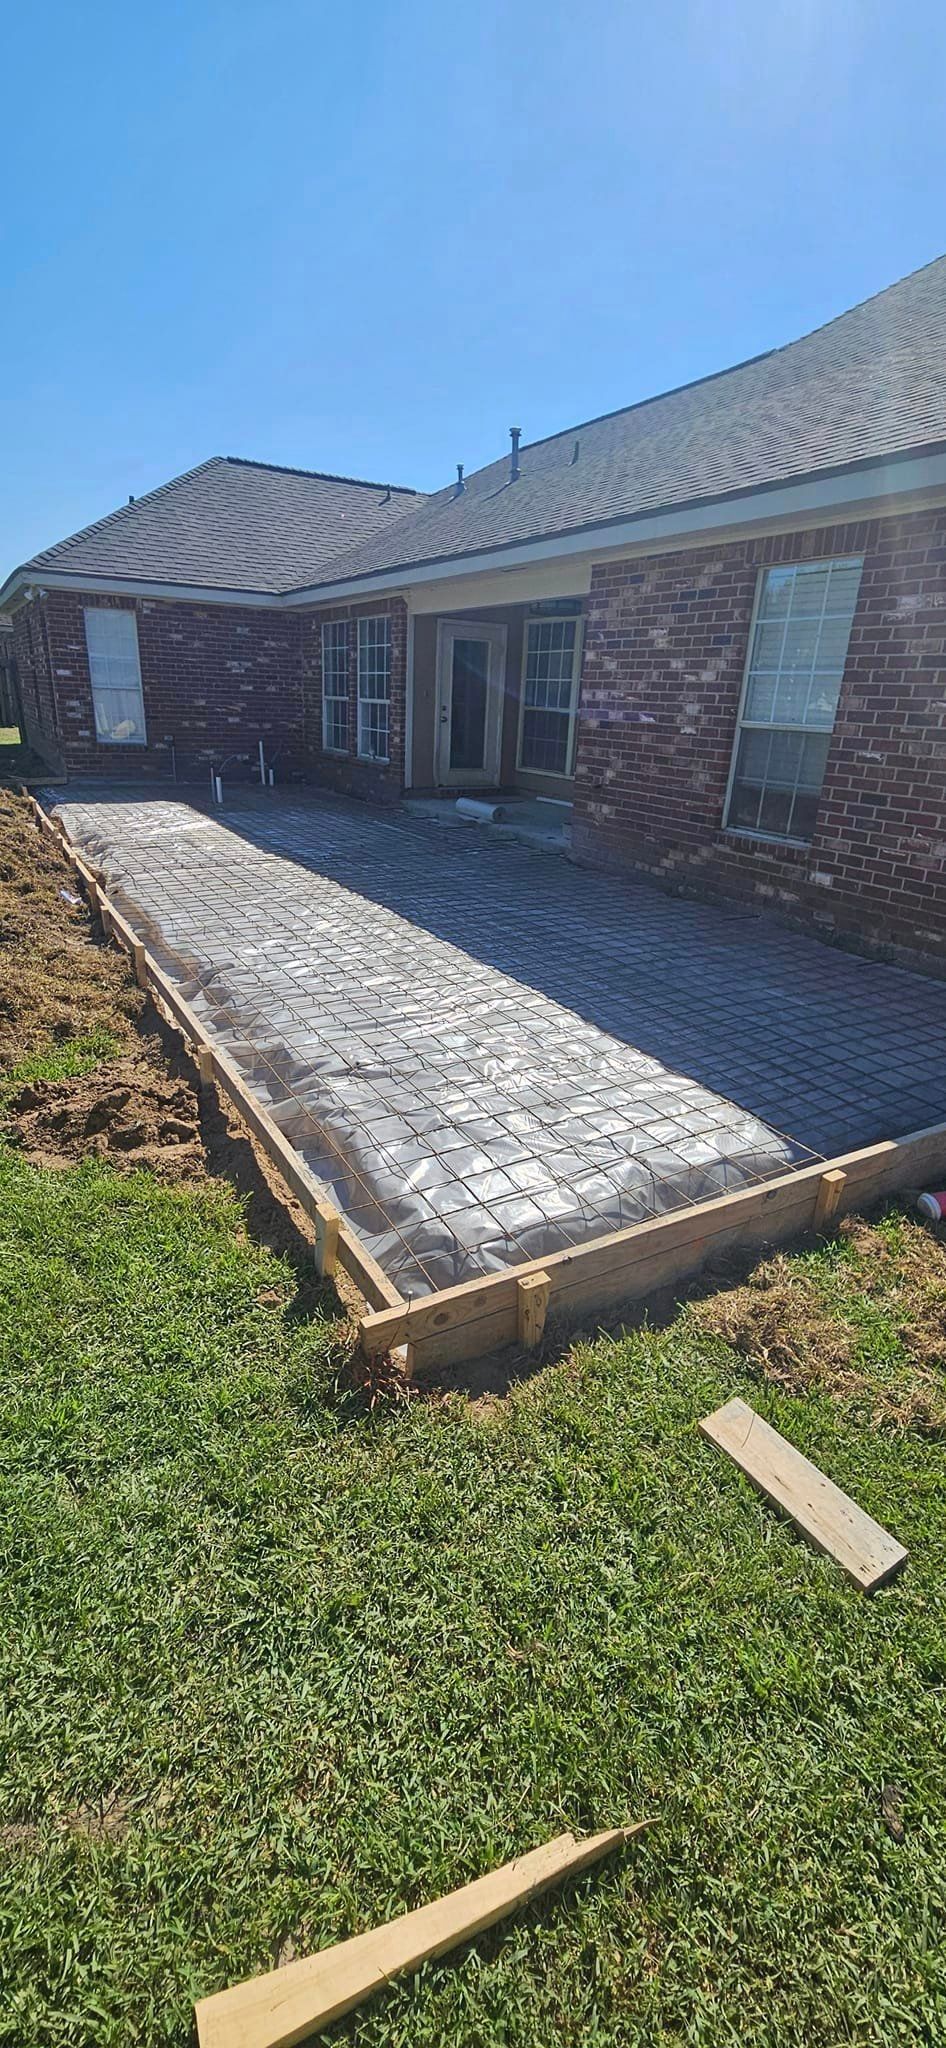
point(277, 1667)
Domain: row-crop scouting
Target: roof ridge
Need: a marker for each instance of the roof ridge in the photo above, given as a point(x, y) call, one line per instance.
point(325, 476)
point(712, 376)
point(96, 525)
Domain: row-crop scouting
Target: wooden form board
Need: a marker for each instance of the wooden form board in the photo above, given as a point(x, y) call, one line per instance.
point(334, 1241)
point(628, 1265)
point(832, 1522)
point(303, 1998)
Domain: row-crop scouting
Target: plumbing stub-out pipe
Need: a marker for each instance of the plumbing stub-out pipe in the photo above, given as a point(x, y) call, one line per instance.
point(478, 809)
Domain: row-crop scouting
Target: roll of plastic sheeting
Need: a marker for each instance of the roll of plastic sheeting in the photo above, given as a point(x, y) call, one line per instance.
point(484, 813)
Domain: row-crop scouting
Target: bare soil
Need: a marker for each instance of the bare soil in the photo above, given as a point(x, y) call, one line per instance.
point(126, 1111)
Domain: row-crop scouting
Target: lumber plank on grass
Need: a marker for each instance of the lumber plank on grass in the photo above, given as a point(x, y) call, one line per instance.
point(303, 1998)
point(478, 1316)
point(829, 1518)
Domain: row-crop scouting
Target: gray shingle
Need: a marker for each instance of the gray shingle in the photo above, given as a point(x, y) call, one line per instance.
point(869, 384)
point(232, 525)
point(872, 383)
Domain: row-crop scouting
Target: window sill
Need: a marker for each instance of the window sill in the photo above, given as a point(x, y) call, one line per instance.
point(746, 837)
point(373, 760)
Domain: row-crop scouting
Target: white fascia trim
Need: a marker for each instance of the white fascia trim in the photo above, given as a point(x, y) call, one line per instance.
point(23, 580)
point(840, 494)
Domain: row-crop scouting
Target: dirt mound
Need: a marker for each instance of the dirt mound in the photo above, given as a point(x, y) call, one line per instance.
point(126, 1111)
point(56, 979)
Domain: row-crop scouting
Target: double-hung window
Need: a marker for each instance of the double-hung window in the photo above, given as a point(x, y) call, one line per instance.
point(335, 686)
point(549, 694)
point(374, 688)
point(112, 641)
point(797, 653)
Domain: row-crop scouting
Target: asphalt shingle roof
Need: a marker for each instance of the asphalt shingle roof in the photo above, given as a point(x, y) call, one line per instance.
point(870, 384)
point(232, 525)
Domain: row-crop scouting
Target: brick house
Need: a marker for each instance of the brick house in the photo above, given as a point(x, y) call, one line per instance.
point(712, 624)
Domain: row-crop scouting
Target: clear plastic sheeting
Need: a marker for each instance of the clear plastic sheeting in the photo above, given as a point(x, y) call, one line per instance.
point(460, 1116)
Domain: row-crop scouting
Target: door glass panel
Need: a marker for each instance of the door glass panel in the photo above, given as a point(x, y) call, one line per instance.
point(469, 691)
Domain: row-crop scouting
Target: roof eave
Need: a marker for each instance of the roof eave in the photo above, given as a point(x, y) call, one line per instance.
point(38, 577)
point(845, 489)
point(846, 485)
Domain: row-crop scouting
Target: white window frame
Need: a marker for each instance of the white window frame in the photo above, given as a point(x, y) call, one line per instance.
point(335, 637)
point(374, 682)
point(575, 619)
point(104, 683)
point(765, 725)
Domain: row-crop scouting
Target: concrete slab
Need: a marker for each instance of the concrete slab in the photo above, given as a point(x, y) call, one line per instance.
point(488, 1055)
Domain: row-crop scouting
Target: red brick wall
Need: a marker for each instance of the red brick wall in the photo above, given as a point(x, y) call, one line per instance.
point(215, 678)
point(357, 778)
point(34, 673)
point(665, 650)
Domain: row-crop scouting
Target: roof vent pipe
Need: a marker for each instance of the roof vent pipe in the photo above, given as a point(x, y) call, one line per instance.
point(460, 485)
point(514, 434)
point(575, 454)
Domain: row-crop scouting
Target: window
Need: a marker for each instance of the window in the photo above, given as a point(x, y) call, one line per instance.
point(793, 679)
point(374, 688)
point(112, 640)
point(548, 695)
point(335, 687)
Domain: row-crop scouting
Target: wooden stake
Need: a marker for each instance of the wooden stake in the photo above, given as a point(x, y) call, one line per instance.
point(532, 1301)
point(289, 2004)
point(830, 1189)
point(141, 965)
point(327, 1224)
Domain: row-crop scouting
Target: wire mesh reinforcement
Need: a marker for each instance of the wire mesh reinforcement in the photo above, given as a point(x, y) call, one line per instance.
point(460, 1118)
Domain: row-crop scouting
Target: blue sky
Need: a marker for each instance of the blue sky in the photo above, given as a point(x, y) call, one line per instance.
point(368, 238)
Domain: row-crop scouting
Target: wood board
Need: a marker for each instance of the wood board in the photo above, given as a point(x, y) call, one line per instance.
point(479, 1316)
point(829, 1518)
point(287, 2005)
